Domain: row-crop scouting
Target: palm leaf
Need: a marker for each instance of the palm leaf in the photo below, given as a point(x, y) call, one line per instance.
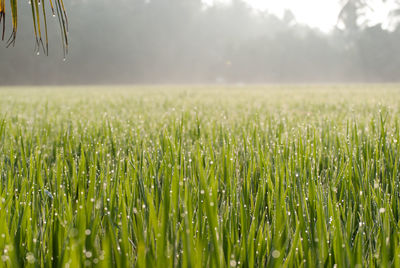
point(3, 16)
point(39, 22)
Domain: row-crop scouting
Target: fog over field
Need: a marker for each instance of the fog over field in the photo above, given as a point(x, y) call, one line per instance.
point(188, 41)
point(193, 133)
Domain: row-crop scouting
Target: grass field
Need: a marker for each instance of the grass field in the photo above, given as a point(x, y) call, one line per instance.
point(200, 176)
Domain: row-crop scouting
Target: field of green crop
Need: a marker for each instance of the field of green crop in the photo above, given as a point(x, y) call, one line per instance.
point(276, 176)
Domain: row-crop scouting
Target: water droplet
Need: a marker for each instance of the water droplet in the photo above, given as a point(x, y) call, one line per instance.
point(275, 254)
point(88, 254)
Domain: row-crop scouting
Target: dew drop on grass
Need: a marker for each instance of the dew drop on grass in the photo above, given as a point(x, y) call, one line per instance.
point(30, 257)
point(275, 254)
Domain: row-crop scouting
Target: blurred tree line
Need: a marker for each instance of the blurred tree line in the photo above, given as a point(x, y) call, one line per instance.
point(183, 41)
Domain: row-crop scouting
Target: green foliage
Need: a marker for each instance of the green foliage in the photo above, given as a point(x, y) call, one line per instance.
point(203, 177)
point(39, 21)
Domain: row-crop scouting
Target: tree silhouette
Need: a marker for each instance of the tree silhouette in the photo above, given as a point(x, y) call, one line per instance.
point(354, 10)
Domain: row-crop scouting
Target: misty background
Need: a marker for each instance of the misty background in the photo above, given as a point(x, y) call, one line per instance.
point(186, 41)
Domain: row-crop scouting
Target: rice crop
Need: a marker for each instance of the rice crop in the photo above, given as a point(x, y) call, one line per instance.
point(277, 176)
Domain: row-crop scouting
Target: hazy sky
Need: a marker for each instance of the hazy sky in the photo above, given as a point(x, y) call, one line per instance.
point(322, 14)
point(316, 13)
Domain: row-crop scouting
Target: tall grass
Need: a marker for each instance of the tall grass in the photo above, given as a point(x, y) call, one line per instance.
point(203, 177)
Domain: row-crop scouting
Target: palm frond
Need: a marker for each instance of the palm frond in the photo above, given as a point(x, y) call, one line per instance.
point(3, 17)
point(39, 22)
